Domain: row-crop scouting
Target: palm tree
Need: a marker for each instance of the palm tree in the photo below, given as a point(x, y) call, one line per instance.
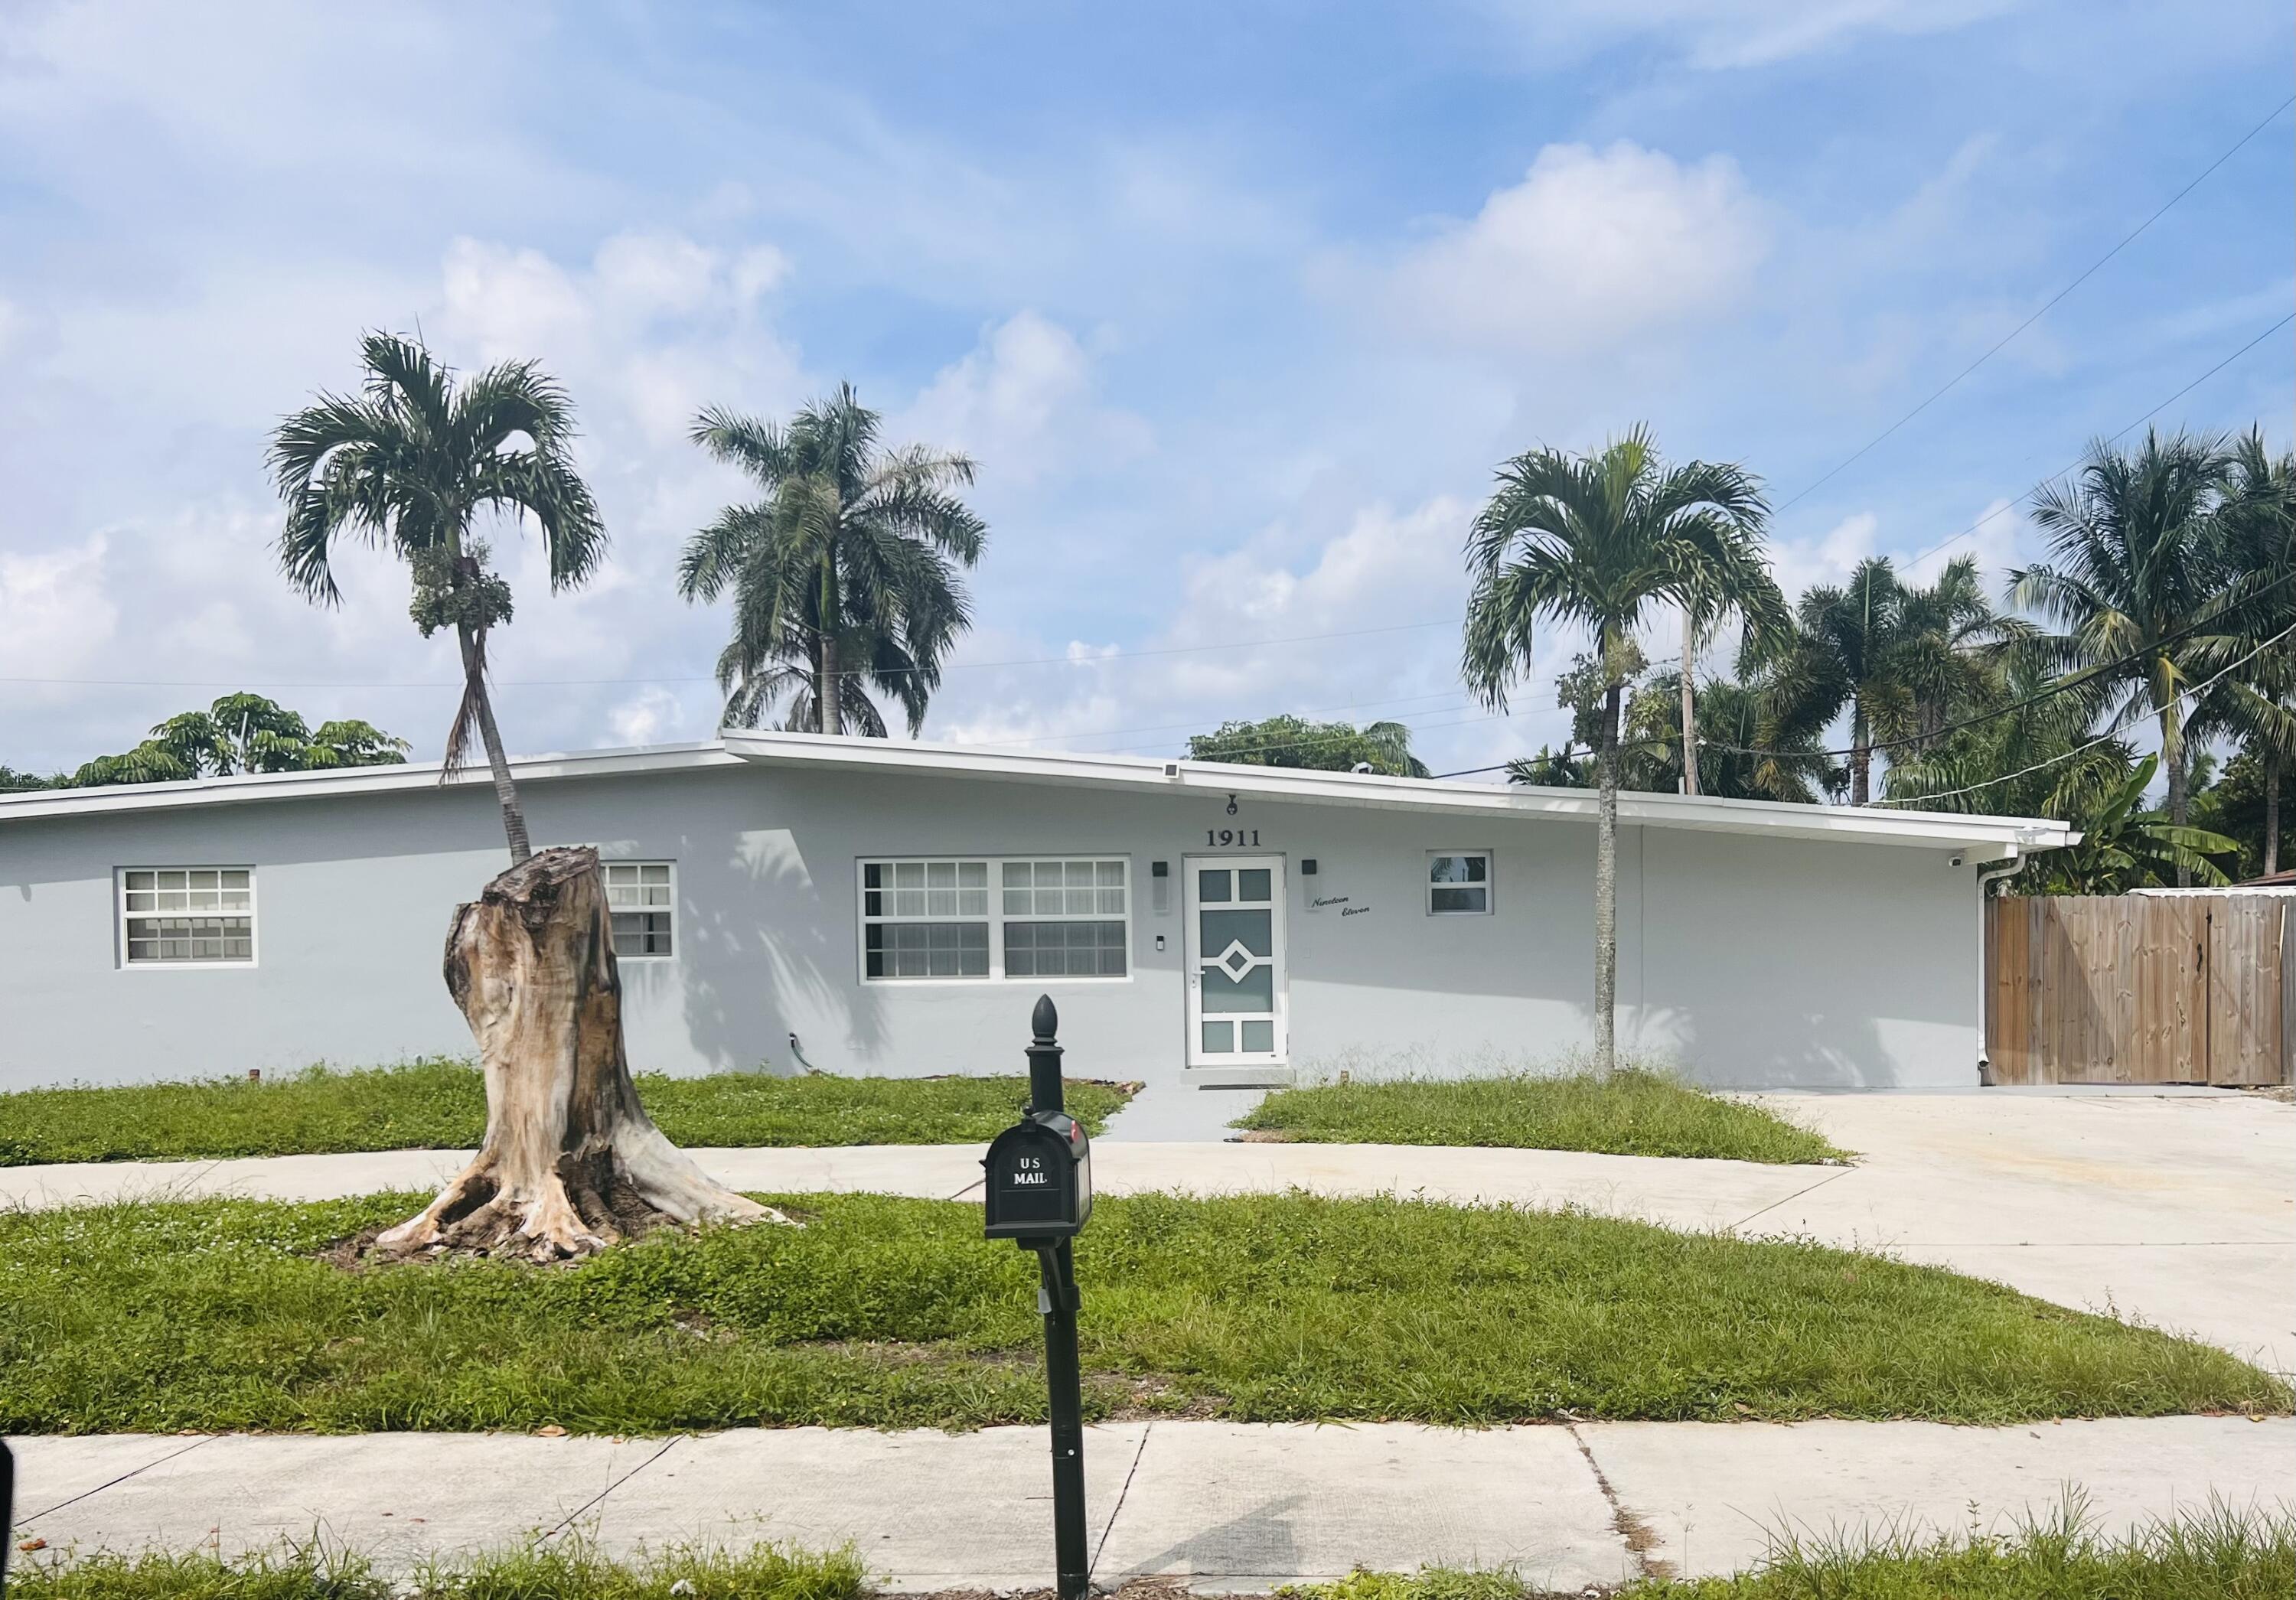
point(1599, 540)
point(1902, 660)
point(408, 464)
point(845, 571)
point(2037, 756)
point(241, 732)
point(1701, 616)
point(2130, 585)
point(1734, 755)
point(2255, 699)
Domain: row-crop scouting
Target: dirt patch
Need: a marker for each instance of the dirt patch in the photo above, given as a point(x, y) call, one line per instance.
point(1265, 1136)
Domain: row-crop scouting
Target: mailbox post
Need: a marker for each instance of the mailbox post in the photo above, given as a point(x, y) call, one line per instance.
point(1038, 1194)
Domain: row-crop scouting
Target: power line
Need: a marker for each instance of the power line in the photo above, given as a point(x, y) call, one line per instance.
point(2192, 693)
point(577, 682)
point(2085, 275)
point(2004, 510)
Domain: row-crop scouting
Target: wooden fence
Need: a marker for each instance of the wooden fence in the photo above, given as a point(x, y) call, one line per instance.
point(2141, 989)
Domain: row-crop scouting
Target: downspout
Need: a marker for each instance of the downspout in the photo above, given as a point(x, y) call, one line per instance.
point(1986, 879)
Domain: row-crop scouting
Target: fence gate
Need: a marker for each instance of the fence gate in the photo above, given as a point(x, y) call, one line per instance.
point(2139, 988)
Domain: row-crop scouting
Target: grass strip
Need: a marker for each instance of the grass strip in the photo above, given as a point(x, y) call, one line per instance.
point(440, 1103)
point(536, 1572)
point(1633, 1111)
point(223, 1315)
point(2216, 1554)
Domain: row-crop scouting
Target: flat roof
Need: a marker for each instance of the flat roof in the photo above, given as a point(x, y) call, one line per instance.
point(1985, 837)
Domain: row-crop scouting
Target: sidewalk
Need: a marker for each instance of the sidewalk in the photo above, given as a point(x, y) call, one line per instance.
point(2177, 1212)
point(1229, 1505)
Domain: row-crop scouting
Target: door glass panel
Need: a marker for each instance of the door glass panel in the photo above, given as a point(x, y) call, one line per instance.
point(1219, 1038)
point(1211, 883)
point(1251, 929)
point(1259, 1036)
point(1254, 992)
point(1252, 883)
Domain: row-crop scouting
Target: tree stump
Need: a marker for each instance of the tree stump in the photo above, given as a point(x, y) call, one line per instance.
point(570, 1163)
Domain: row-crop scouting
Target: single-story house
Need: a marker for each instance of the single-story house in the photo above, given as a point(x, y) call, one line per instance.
point(786, 900)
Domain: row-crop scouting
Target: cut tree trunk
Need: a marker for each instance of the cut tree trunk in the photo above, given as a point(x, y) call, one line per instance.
point(570, 1163)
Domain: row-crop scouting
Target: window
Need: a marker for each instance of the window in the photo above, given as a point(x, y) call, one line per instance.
point(187, 915)
point(1459, 883)
point(642, 899)
point(1045, 919)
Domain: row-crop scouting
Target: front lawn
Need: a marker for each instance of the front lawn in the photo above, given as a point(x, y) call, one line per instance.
point(540, 1572)
point(1632, 1112)
point(880, 1311)
point(442, 1104)
point(2209, 1555)
point(2216, 1553)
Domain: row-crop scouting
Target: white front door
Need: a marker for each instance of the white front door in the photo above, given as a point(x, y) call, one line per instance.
point(1235, 961)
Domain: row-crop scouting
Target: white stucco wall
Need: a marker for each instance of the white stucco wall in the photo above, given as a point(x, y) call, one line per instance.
point(1748, 960)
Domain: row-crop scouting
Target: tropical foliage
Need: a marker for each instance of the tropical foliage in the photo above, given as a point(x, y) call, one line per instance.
point(1601, 541)
point(844, 576)
point(409, 464)
point(1286, 741)
point(238, 733)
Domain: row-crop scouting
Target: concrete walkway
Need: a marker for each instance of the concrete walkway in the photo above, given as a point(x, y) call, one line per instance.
point(1229, 1505)
point(2180, 1212)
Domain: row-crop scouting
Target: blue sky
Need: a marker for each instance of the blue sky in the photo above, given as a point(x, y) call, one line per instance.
point(1238, 307)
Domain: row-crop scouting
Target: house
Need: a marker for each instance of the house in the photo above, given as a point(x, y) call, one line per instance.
point(783, 900)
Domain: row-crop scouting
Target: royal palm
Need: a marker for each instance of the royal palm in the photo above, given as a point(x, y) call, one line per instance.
point(409, 463)
point(845, 571)
point(1602, 540)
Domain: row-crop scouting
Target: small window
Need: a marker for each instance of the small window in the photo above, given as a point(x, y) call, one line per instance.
point(642, 899)
point(187, 915)
point(1459, 883)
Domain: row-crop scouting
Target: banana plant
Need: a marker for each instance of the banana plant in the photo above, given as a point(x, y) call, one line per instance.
point(2124, 847)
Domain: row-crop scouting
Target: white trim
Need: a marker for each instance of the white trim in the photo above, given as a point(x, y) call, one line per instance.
point(994, 919)
point(606, 881)
point(1991, 836)
point(1489, 885)
point(120, 915)
point(1227, 1063)
point(1860, 825)
point(355, 780)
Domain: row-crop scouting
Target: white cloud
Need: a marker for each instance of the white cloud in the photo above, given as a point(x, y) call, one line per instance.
point(647, 717)
point(1592, 249)
point(1023, 404)
point(57, 616)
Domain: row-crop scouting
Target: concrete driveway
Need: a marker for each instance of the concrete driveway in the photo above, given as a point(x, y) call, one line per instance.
point(2176, 1210)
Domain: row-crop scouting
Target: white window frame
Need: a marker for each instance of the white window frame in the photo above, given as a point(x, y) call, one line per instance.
point(606, 880)
point(1491, 883)
point(120, 915)
point(996, 919)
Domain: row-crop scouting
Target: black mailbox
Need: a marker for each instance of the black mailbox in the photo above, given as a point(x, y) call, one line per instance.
point(1040, 1181)
point(1039, 1170)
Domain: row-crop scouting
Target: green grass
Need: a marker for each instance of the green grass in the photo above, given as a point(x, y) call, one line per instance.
point(441, 1104)
point(535, 1573)
point(2212, 1555)
point(1633, 1112)
point(2215, 1555)
point(891, 1312)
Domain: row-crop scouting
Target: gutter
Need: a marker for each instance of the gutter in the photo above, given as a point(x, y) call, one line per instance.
point(1986, 879)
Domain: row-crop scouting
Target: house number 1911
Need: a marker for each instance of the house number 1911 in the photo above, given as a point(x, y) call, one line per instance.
point(1247, 837)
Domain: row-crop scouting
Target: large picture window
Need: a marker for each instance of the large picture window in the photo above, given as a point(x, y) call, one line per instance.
point(994, 917)
point(187, 915)
point(642, 900)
